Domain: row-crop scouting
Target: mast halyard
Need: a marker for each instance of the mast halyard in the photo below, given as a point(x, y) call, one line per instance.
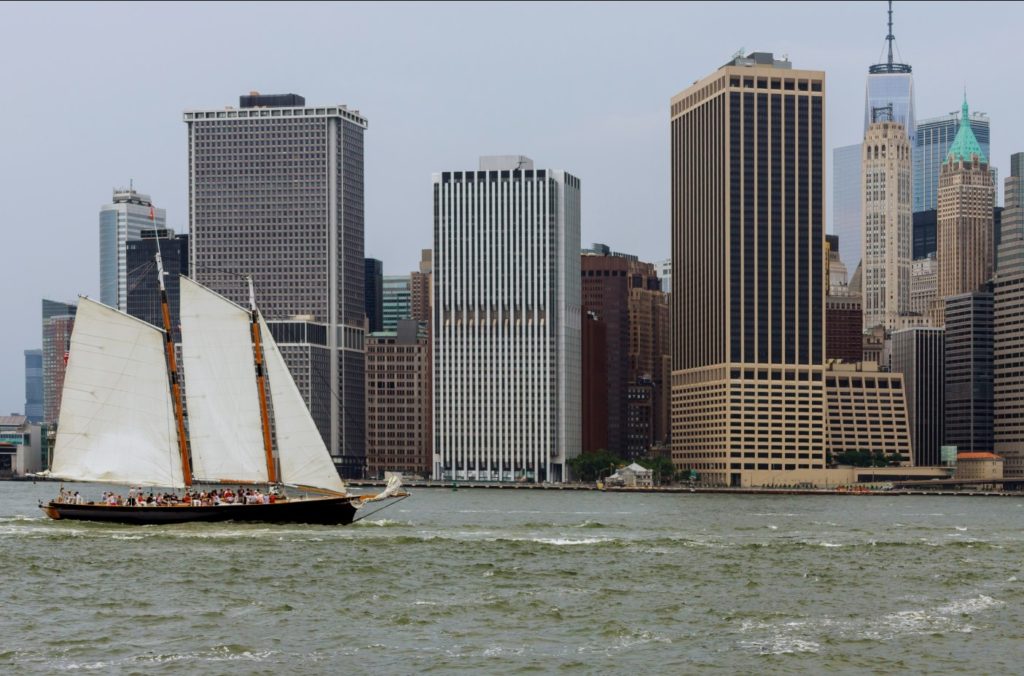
point(172, 371)
point(261, 382)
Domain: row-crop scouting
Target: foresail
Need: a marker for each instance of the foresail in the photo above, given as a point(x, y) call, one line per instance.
point(225, 428)
point(303, 457)
point(116, 418)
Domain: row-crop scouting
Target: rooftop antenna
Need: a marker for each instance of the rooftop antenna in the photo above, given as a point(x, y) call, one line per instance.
point(890, 37)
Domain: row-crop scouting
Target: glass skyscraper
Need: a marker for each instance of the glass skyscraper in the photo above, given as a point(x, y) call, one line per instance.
point(934, 137)
point(846, 202)
point(123, 221)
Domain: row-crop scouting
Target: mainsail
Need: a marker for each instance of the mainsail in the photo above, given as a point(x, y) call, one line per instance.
point(225, 429)
point(116, 418)
point(303, 457)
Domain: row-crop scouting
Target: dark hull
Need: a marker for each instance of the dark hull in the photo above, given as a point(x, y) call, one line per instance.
point(325, 511)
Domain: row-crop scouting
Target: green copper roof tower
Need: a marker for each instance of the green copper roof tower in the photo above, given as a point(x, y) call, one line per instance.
point(965, 144)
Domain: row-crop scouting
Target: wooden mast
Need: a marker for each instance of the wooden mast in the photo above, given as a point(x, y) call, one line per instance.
point(172, 370)
point(261, 383)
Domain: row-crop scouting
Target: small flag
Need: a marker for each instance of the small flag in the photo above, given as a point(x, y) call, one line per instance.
point(152, 214)
point(66, 355)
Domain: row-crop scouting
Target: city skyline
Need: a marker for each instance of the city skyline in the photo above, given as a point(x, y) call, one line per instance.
point(394, 58)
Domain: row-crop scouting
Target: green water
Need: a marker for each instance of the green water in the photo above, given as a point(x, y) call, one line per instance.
point(526, 581)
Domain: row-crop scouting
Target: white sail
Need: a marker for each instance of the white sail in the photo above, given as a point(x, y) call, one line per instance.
point(116, 418)
point(303, 457)
point(225, 427)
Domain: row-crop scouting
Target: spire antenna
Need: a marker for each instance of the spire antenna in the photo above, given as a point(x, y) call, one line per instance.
point(890, 37)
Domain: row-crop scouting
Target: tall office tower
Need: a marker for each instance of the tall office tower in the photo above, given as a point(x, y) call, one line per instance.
point(604, 291)
point(965, 215)
point(276, 191)
point(748, 236)
point(594, 383)
point(420, 287)
point(931, 148)
point(373, 294)
point(397, 297)
point(506, 329)
point(34, 385)
point(969, 371)
point(919, 354)
point(886, 251)
point(650, 362)
point(58, 321)
point(143, 299)
point(924, 281)
point(847, 198)
point(123, 221)
point(891, 83)
point(925, 224)
point(1008, 329)
point(398, 411)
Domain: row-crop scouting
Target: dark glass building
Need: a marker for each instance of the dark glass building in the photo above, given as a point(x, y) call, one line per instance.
point(373, 294)
point(34, 385)
point(969, 371)
point(143, 299)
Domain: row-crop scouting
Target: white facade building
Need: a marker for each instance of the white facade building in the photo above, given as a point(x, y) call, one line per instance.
point(123, 220)
point(507, 401)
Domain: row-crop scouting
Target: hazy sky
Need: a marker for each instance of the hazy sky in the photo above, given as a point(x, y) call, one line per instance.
point(93, 94)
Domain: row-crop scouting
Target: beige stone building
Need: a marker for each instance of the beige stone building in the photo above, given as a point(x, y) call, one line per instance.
point(965, 219)
point(886, 246)
point(924, 279)
point(867, 411)
point(748, 340)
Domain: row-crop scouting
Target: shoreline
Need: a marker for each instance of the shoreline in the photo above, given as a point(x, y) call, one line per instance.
point(366, 483)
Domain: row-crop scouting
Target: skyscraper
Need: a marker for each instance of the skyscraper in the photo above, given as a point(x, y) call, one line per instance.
point(373, 294)
point(1008, 329)
point(122, 221)
point(886, 249)
point(969, 371)
point(397, 301)
point(143, 299)
point(276, 191)
point(891, 83)
point(506, 327)
point(419, 283)
point(919, 354)
point(847, 197)
point(747, 162)
point(965, 218)
point(931, 147)
point(34, 385)
point(58, 321)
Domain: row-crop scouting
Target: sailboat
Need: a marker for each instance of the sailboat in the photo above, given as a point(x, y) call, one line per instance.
point(122, 419)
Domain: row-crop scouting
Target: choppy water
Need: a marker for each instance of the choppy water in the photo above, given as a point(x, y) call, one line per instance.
point(515, 581)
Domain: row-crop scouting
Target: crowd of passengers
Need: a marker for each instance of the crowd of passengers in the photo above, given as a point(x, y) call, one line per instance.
point(139, 498)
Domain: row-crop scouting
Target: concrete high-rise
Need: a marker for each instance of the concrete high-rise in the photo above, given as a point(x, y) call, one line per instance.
point(398, 411)
point(919, 354)
point(1008, 329)
point(58, 322)
point(886, 249)
point(506, 329)
point(969, 371)
point(123, 221)
point(276, 191)
point(748, 337)
point(143, 300)
point(965, 219)
point(34, 385)
point(421, 299)
point(373, 294)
